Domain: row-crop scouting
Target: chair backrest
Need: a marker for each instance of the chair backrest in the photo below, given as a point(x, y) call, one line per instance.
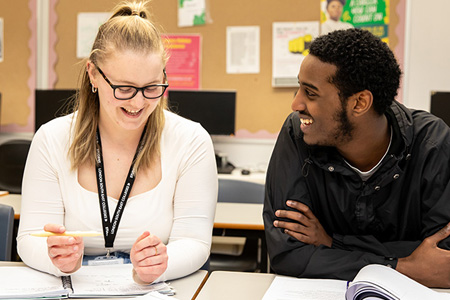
point(13, 155)
point(6, 231)
point(240, 191)
point(440, 105)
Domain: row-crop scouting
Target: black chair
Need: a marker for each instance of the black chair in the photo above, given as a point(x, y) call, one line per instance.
point(237, 191)
point(13, 155)
point(440, 105)
point(6, 232)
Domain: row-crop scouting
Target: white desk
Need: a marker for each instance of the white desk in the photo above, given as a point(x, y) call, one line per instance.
point(239, 216)
point(186, 288)
point(257, 177)
point(14, 201)
point(222, 285)
point(228, 215)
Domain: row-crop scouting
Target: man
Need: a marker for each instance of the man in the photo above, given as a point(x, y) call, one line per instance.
point(355, 177)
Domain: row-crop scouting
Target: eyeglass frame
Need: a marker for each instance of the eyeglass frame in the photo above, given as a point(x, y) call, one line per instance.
point(137, 89)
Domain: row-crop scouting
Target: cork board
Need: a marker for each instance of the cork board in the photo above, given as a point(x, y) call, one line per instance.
point(15, 70)
point(260, 109)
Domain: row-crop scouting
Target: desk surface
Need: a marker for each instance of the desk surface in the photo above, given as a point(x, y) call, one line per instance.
point(257, 177)
point(239, 216)
point(14, 201)
point(222, 285)
point(186, 287)
point(228, 215)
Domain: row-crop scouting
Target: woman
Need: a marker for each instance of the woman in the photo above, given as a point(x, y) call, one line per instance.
point(161, 218)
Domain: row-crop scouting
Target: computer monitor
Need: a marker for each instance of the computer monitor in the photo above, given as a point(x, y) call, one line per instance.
point(51, 104)
point(440, 105)
point(214, 110)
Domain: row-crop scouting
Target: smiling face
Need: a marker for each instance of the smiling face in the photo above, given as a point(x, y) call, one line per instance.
point(324, 119)
point(127, 68)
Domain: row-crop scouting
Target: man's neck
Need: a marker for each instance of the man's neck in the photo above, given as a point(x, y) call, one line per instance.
point(369, 144)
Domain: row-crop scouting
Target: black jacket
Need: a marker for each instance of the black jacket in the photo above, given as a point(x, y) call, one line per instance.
point(387, 217)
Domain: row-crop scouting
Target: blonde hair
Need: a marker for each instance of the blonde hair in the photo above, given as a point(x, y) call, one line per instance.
point(129, 28)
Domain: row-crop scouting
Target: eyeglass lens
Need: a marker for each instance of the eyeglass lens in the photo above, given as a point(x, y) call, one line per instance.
point(128, 92)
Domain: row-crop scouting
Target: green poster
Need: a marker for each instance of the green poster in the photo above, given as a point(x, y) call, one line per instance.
point(372, 15)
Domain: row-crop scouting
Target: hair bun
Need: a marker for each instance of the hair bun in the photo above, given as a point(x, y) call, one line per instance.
point(128, 8)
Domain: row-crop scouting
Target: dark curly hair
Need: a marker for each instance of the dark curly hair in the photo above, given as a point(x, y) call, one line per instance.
point(363, 62)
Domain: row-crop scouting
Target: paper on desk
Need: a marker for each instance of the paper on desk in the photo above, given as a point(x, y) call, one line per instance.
point(155, 296)
point(288, 288)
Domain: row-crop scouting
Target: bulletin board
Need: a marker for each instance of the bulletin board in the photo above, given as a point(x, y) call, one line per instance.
point(15, 70)
point(260, 108)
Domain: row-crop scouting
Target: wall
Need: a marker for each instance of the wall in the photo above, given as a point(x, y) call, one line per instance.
point(261, 109)
point(427, 57)
point(17, 78)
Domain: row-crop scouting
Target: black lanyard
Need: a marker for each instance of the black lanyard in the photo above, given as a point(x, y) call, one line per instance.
point(110, 227)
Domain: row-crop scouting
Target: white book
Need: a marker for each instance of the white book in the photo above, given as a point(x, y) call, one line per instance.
point(372, 282)
point(22, 282)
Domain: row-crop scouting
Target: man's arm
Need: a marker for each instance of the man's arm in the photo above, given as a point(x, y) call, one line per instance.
point(288, 255)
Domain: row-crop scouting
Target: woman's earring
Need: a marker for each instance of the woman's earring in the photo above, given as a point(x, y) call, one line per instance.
point(94, 89)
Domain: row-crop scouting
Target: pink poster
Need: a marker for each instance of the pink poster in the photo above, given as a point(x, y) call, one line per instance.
point(183, 66)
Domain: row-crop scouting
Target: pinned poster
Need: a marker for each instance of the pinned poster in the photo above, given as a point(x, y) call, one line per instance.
point(87, 28)
point(183, 66)
point(371, 15)
point(243, 49)
point(290, 44)
point(191, 12)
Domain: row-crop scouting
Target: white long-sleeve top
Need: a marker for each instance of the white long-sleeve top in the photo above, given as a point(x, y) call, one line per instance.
point(179, 210)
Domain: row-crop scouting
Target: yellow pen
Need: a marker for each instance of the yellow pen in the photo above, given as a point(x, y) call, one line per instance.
point(67, 233)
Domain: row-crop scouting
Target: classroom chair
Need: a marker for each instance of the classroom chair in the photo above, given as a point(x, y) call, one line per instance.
point(6, 231)
point(238, 191)
point(13, 155)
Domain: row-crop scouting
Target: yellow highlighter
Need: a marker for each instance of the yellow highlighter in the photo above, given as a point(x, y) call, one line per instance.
point(67, 233)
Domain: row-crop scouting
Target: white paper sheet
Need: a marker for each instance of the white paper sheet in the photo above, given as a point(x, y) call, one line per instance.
point(87, 28)
point(243, 49)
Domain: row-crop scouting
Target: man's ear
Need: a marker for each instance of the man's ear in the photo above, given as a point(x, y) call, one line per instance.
point(361, 102)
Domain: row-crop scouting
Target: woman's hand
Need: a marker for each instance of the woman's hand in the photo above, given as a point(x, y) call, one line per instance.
point(66, 252)
point(149, 258)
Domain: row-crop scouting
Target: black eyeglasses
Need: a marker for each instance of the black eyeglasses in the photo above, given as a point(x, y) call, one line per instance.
point(126, 92)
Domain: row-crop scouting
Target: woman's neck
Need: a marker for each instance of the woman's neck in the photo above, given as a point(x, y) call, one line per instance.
point(119, 136)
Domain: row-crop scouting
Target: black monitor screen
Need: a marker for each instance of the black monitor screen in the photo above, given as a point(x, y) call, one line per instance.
point(440, 105)
point(50, 104)
point(214, 110)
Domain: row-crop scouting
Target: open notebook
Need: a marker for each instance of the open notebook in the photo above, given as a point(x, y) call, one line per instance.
point(375, 282)
point(22, 282)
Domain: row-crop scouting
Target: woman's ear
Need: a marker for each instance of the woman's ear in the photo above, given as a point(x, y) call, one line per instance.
point(361, 102)
point(90, 67)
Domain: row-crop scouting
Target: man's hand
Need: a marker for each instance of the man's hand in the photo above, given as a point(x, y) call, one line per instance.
point(429, 264)
point(65, 252)
point(305, 226)
point(149, 258)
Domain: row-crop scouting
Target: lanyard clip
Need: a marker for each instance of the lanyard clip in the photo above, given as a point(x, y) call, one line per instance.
point(108, 250)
